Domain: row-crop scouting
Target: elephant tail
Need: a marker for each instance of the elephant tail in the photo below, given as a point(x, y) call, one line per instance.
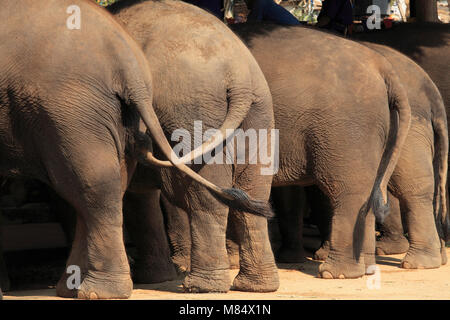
point(400, 122)
point(234, 198)
point(440, 128)
point(398, 101)
point(240, 99)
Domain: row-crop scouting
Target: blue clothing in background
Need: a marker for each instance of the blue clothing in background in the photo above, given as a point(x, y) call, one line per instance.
point(339, 11)
point(269, 10)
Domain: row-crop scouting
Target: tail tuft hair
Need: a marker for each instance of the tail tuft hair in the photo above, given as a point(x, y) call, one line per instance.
point(242, 202)
point(380, 209)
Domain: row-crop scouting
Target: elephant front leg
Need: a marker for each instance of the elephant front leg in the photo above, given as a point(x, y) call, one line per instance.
point(392, 240)
point(344, 260)
point(144, 222)
point(289, 203)
point(209, 259)
point(321, 213)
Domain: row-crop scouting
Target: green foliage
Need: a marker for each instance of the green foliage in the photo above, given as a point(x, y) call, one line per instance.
point(305, 11)
point(105, 2)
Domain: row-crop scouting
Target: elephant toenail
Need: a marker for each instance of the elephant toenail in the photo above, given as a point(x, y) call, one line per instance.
point(406, 265)
point(327, 275)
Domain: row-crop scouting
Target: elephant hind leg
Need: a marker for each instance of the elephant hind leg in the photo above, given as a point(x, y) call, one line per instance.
point(424, 246)
point(145, 225)
point(92, 184)
point(178, 232)
point(209, 260)
point(258, 271)
point(415, 191)
point(342, 262)
point(392, 239)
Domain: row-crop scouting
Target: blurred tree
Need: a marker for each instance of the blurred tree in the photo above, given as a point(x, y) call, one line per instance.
point(424, 10)
point(105, 2)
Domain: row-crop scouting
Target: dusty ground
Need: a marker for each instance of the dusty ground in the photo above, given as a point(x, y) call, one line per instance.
point(298, 281)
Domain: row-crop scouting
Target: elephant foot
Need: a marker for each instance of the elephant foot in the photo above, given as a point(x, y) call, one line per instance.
point(182, 263)
point(207, 281)
point(97, 285)
point(144, 272)
point(267, 281)
point(391, 244)
point(422, 259)
point(332, 269)
point(322, 253)
point(290, 255)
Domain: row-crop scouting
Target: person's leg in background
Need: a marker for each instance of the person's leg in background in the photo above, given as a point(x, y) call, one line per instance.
point(269, 10)
point(335, 14)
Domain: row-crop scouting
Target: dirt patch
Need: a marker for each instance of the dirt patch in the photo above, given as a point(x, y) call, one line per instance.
point(299, 282)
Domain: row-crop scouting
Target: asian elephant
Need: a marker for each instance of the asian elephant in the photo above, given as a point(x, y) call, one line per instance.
point(336, 104)
point(418, 184)
point(203, 74)
point(419, 180)
point(72, 95)
point(428, 44)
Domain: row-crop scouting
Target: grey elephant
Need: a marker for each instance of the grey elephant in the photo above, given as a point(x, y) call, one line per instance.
point(418, 184)
point(428, 45)
point(203, 73)
point(72, 95)
point(343, 138)
point(330, 139)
